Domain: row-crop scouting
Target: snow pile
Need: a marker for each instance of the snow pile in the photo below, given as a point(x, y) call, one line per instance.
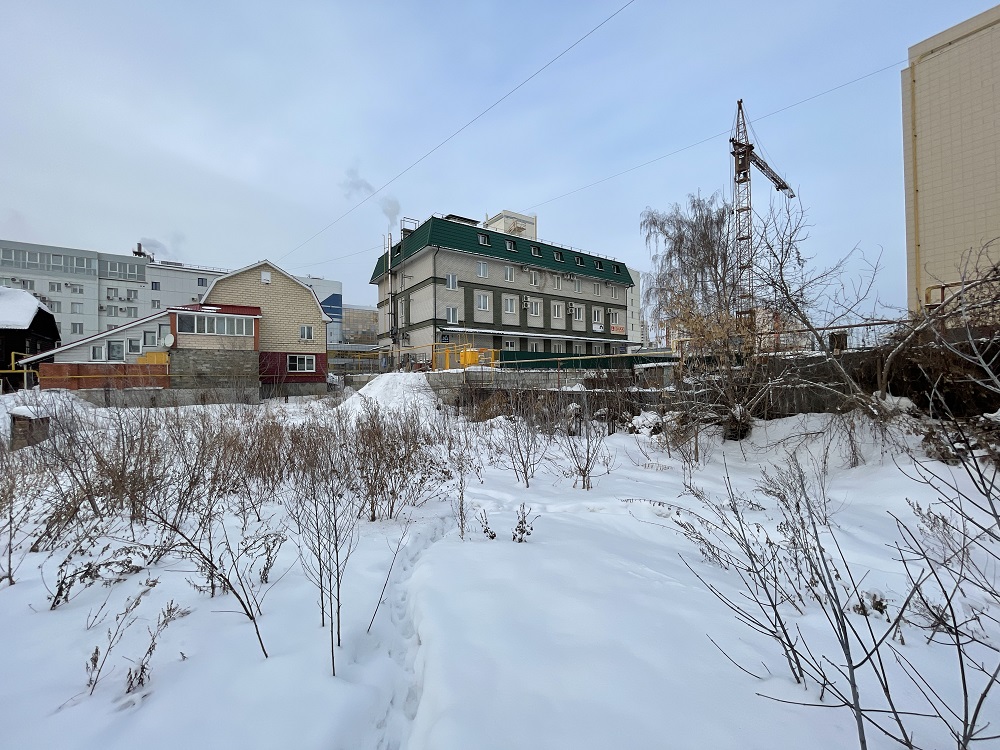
point(395, 390)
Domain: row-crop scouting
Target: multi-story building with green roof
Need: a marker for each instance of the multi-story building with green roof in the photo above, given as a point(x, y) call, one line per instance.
point(494, 285)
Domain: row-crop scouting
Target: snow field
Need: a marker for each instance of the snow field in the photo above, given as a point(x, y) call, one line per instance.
point(593, 634)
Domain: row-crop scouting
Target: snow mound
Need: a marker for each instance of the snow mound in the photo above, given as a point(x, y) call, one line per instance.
point(395, 390)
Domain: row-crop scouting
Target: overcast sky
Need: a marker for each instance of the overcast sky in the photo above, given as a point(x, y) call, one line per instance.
point(223, 133)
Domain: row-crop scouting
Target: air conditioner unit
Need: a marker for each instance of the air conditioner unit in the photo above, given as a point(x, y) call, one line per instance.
point(607, 283)
point(525, 304)
point(569, 309)
point(571, 276)
point(524, 268)
point(101, 307)
point(109, 297)
point(525, 298)
point(610, 310)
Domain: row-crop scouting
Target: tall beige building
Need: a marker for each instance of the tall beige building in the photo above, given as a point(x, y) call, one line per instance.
point(951, 153)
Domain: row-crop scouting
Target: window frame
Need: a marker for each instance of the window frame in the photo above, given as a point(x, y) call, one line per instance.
point(508, 273)
point(451, 281)
point(483, 301)
point(304, 329)
point(451, 315)
point(509, 302)
point(484, 239)
point(482, 269)
point(511, 246)
point(535, 308)
point(308, 362)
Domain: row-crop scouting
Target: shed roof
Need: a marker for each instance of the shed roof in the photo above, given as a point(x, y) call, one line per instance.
point(18, 308)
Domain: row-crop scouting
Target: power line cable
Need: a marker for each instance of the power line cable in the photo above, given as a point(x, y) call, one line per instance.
point(713, 137)
point(457, 132)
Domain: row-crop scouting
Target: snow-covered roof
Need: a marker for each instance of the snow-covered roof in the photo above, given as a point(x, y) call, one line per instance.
point(18, 308)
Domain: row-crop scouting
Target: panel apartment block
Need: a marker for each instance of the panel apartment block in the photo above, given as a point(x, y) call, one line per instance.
point(951, 150)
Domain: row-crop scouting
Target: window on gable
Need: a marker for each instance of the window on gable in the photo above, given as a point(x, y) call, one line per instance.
point(97, 352)
point(536, 251)
point(599, 265)
point(116, 351)
point(306, 333)
point(579, 260)
point(511, 246)
point(484, 239)
point(557, 255)
point(616, 268)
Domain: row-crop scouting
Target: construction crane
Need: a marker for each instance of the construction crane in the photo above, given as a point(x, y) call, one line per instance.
point(743, 157)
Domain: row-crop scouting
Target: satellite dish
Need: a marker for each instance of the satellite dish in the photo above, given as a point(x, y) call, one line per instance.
point(168, 340)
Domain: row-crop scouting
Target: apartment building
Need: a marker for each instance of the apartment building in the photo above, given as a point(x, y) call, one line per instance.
point(90, 292)
point(494, 285)
point(951, 154)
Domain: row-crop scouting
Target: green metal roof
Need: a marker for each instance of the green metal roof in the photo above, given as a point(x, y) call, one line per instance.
point(457, 235)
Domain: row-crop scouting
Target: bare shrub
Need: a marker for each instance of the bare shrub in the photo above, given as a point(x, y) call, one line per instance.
point(395, 459)
point(518, 440)
point(582, 441)
point(324, 509)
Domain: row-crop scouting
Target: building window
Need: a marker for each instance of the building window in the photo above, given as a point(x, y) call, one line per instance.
point(76, 288)
point(578, 286)
point(149, 338)
point(508, 273)
point(134, 346)
point(131, 312)
point(77, 328)
point(451, 313)
point(613, 318)
point(598, 348)
point(97, 352)
point(265, 277)
point(154, 304)
point(116, 351)
point(578, 312)
point(202, 281)
point(535, 346)
point(112, 292)
point(558, 347)
point(483, 270)
point(614, 292)
point(579, 260)
point(301, 363)
point(556, 282)
point(112, 311)
point(217, 324)
point(131, 294)
point(154, 285)
point(557, 310)
point(306, 333)
point(55, 306)
point(509, 344)
point(616, 268)
point(55, 286)
point(484, 239)
point(482, 301)
point(533, 278)
point(451, 281)
point(536, 251)
point(534, 308)
point(597, 289)
point(510, 305)
point(76, 308)
point(579, 348)
point(596, 314)
point(557, 255)
point(599, 265)
point(511, 246)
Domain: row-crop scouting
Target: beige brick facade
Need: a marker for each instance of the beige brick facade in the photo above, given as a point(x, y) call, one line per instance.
point(951, 150)
point(286, 304)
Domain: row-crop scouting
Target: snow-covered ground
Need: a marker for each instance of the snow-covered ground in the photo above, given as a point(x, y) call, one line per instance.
point(592, 634)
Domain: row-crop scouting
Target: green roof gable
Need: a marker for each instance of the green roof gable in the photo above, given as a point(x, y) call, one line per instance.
point(456, 235)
